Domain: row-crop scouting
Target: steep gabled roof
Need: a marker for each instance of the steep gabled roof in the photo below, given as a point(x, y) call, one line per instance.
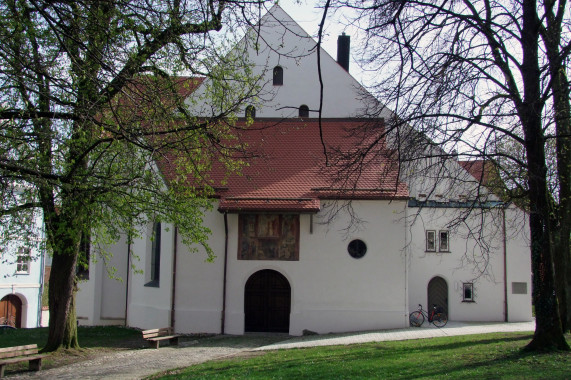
point(149, 91)
point(482, 170)
point(289, 173)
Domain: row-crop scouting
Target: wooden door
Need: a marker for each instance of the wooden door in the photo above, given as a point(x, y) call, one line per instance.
point(438, 293)
point(267, 302)
point(11, 311)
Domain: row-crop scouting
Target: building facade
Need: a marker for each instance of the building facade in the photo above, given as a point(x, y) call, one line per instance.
point(22, 261)
point(299, 247)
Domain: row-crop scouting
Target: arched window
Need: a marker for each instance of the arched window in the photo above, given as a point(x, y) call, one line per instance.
point(154, 259)
point(278, 76)
point(250, 112)
point(303, 111)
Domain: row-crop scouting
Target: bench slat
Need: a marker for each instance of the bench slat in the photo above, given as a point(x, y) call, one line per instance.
point(164, 337)
point(155, 336)
point(19, 351)
point(22, 359)
point(28, 353)
point(16, 348)
point(157, 332)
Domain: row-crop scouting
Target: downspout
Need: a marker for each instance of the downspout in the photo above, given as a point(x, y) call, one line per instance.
point(42, 283)
point(174, 263)
point(127, 280)
point(406, 247)
point(223, 316)
point(505, 264)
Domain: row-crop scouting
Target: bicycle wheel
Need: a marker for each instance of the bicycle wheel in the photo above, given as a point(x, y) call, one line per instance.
point(416, 319)
point(440, 319)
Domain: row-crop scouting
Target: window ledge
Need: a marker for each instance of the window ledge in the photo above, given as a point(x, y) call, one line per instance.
point(468, 301)
point(153, 284)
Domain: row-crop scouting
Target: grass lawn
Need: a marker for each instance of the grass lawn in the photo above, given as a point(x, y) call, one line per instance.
point(94, 341)
point(489, 356)
point(89, 337)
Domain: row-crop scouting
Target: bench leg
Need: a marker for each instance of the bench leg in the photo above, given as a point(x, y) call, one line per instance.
point(36, 364)
point(154, 343)
point(2, 370)
point(173, 341)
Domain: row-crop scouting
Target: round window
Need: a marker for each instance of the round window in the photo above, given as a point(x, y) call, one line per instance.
point(357, 248)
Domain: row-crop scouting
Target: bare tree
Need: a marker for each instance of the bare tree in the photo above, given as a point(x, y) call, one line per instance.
point(482, 80)
point(90, 97)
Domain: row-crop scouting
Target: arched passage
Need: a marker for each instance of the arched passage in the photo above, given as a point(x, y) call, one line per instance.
point(11, 311)
point(267, 302)
point(438, 293)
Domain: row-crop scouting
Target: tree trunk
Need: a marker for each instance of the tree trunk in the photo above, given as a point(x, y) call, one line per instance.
point(551, 36)
point(548, 333)
point(70, 339)
point(563, 146)
point(62, 287)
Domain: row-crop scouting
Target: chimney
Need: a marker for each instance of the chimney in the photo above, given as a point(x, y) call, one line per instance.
point(343, 47)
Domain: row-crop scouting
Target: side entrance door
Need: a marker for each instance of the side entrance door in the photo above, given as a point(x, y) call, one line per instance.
point(11, 311)
point(267, 302)
point(438, 293)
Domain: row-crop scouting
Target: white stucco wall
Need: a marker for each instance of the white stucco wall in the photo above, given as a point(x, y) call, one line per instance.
point(476, 256)
point(27, 286)
point(149, 306)
point(101, 298)
point(330, 290)
point(286, 44)
point(518, 264)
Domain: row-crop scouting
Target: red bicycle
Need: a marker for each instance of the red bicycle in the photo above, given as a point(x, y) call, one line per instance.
point(436, 316)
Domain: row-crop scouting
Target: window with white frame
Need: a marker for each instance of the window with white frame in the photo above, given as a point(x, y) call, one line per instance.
point(443, 241)
point(430, 240)
point(440, 241)
point(23, 261)
point(468, 292)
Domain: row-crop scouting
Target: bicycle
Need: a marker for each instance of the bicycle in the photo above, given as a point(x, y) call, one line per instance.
point(437, 317)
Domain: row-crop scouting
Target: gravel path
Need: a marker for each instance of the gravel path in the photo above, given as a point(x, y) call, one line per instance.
point(133, 364)
point(137, 364)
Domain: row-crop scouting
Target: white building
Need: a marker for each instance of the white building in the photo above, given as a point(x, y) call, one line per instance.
point(22, 260)
point(283, 265)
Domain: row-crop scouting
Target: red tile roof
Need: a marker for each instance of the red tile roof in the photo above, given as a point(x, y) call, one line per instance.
point(147, 91)
point(289, 173)
point(479, 169)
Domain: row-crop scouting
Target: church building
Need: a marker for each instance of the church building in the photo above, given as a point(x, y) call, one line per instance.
point(304, 244)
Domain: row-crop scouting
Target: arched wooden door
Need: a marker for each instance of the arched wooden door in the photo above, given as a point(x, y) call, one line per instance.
point(267, 302)
point(438, 293)
point(11, 311)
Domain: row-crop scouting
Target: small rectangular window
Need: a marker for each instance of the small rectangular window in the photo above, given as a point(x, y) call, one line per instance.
point(519, 287)
point(430, 241)
point(468, 292)
point(443, 239)
point(23, 261)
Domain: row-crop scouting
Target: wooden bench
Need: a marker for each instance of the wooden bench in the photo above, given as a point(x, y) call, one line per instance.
point(29, 353)
point(155, 336)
